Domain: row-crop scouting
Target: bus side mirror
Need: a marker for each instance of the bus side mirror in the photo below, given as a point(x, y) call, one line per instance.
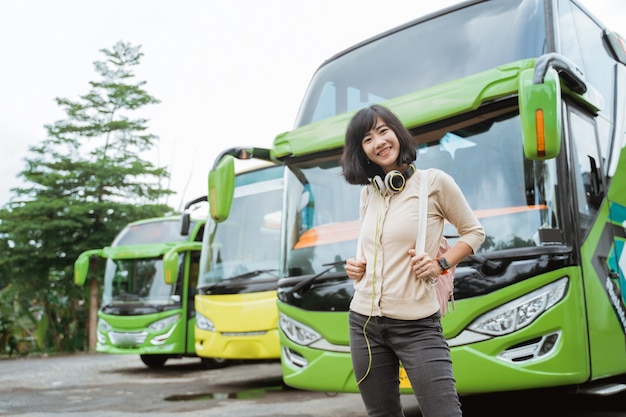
point(170, 260)
point(186, 217)
point(540, 114)
point(81, 265)
point(184, 224)
point(170, 266)
point(221, 188)
point(617, 45)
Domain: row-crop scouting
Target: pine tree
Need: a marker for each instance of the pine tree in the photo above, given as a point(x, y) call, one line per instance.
point(84, 183)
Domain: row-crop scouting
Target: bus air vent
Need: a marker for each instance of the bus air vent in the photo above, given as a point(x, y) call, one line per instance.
point(531, 349)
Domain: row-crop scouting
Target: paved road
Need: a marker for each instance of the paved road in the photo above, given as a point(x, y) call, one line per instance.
point(94, 385)
point(119, 385)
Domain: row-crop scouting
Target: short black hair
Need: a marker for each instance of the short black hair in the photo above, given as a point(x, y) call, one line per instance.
point(357, 169)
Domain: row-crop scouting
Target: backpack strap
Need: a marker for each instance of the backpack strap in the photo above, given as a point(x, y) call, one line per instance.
point(420, 242)
point(367, 193)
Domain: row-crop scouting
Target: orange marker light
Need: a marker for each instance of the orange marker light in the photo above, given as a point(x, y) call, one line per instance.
point(212, 204)
point(540, 130)
point(621, 42)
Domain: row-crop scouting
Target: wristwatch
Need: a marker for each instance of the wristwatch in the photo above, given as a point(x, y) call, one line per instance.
point(443, 263)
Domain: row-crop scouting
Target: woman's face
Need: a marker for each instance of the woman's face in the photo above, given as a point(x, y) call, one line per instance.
point(381, 146)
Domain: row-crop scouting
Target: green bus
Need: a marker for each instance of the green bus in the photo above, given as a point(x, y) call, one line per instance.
point(145, 310)
point(523, 102)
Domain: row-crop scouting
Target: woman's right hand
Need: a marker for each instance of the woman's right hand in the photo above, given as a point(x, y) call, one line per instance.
point(355, 268)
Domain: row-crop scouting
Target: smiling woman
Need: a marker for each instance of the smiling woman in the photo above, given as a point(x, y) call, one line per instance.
point(394, 314)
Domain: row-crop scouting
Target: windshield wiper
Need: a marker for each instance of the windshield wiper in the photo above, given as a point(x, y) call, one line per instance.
point(249, 274)
point(303, 286)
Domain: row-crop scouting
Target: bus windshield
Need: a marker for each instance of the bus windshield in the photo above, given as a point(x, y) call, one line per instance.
point(461, 43)
point(137, 281)
point(246, 244)
point(513, 197)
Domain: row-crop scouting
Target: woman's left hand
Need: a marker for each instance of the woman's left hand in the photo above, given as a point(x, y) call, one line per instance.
point(423, 265)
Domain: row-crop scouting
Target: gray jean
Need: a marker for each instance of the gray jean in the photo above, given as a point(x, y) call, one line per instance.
point(421, 348)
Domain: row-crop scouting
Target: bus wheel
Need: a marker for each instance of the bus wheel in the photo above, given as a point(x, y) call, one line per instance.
point(214, 363)
point(154, 361)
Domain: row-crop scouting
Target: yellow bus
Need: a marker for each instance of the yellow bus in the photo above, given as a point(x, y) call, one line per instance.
point(236, 312)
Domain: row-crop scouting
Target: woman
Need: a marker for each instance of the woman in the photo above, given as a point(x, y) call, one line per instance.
point(394, 313)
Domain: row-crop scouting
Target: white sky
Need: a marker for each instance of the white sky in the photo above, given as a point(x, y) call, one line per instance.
point(228, 73)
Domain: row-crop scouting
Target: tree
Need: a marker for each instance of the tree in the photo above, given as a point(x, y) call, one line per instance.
point(85, 182)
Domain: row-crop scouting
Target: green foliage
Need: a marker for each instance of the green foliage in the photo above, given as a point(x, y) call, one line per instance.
point(85, 182)
point(8, 323)
point(17, 323)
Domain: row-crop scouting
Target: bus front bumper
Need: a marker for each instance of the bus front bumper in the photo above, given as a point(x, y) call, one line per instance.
point(242, 345)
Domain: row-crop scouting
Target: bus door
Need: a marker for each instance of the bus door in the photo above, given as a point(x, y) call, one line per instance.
point(616, 170)
point(600, 234)
point(191, 281)
point(597, 201)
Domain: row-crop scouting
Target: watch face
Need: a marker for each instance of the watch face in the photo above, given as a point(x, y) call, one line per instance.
point(443, 263)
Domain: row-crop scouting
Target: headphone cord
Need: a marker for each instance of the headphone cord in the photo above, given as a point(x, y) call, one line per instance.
point(367, 342)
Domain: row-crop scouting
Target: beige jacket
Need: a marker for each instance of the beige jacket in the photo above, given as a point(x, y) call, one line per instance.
point(389, 229)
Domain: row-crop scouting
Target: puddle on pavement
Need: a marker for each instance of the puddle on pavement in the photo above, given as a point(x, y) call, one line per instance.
point(243, 393)
point(251, 394)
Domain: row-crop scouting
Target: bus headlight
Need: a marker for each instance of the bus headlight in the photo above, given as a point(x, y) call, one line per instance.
point(520, 312)
point(160, 325)
point(103, 326)
point(298, 332)
point(103, 329)
point(204, 323)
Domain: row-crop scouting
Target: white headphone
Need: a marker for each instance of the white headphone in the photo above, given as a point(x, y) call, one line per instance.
point(394, 181)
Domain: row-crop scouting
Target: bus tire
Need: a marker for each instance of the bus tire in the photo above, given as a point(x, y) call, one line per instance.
point(153, 361)
point(214, 363)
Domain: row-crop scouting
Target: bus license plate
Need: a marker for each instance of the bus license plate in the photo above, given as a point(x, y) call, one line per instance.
point(404, 379)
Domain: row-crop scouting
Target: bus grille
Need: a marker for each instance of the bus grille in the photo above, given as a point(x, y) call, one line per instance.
point(127, 339)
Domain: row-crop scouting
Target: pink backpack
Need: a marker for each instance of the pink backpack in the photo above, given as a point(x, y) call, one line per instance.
point(444, 282)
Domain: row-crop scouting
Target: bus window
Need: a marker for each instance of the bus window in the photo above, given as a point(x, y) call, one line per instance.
point(583, 42)
point(341, 84)
point(586, 170)
point(151, 232)
point(133, 280)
